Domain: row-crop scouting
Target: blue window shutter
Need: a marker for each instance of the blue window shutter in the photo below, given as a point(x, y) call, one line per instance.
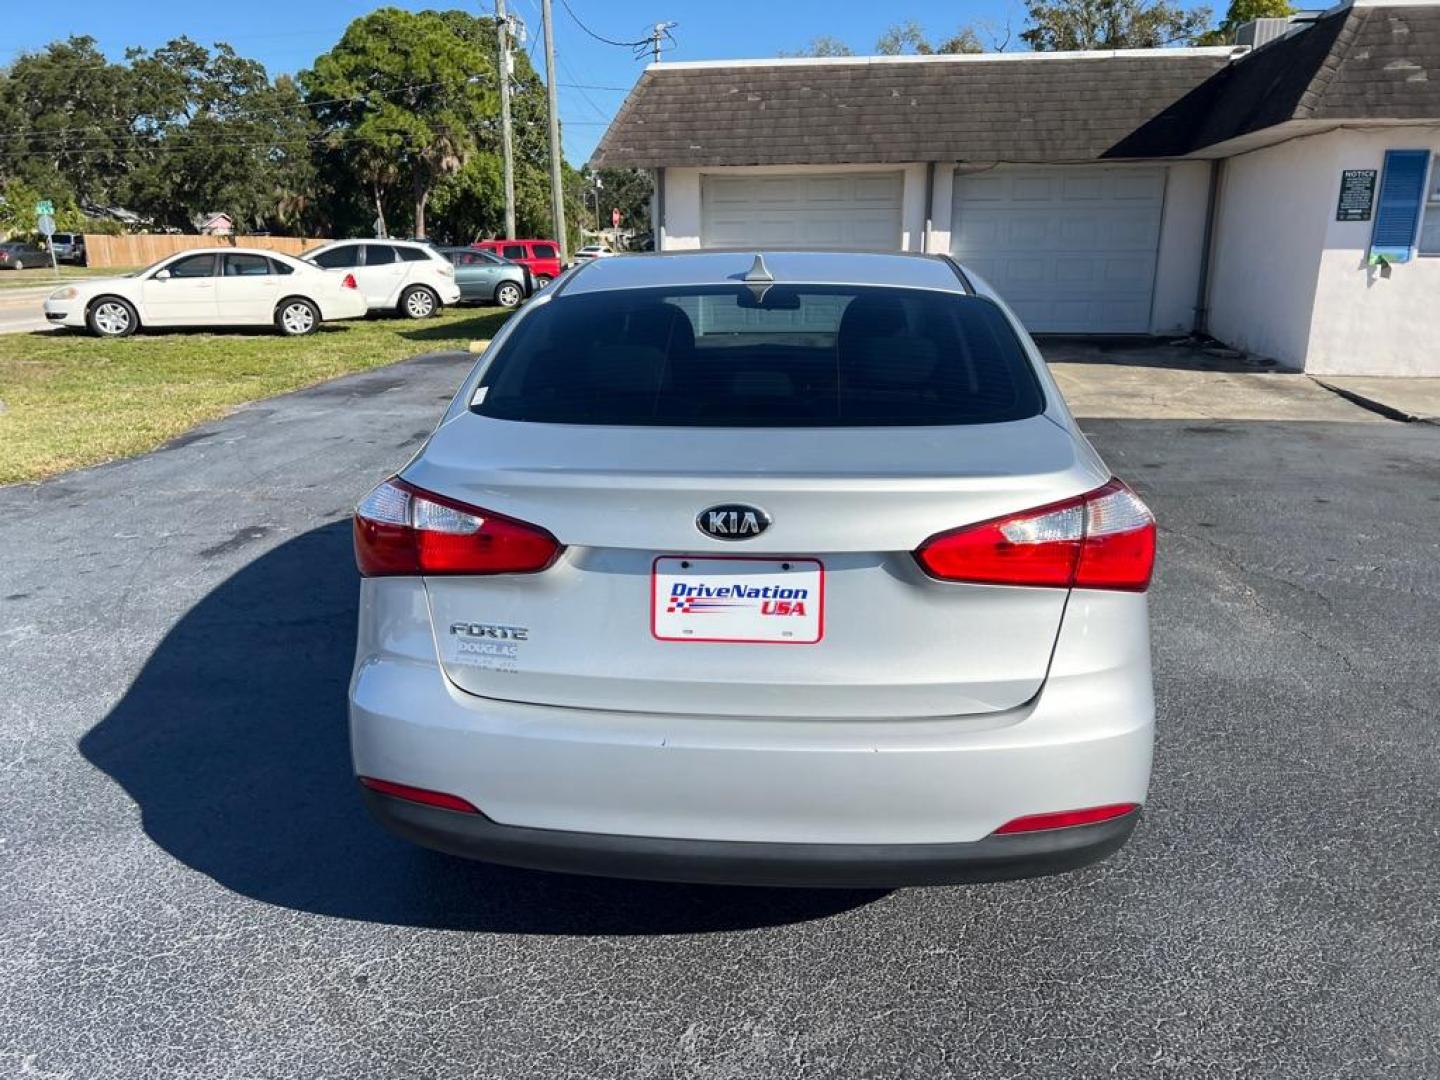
point(1402, 194)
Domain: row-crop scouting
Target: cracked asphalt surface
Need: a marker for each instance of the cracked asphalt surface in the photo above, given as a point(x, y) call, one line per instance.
point(189, 886)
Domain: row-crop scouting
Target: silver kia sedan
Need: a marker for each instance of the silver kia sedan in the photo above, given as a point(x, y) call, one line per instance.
point(783, 568)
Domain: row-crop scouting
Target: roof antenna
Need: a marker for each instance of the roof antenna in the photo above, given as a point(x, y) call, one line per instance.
point(759, 278)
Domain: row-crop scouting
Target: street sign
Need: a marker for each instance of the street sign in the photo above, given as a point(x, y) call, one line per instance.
point(615, 218)
point(45, 222)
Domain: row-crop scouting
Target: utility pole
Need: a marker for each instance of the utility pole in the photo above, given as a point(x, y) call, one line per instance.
point(557, 192)
point(502, 27)
point(660, 39)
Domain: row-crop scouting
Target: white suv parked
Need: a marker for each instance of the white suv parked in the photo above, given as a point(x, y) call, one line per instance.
point(411, 278)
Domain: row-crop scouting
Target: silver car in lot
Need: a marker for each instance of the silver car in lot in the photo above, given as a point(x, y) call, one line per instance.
point(486, 278)
point(788, 570)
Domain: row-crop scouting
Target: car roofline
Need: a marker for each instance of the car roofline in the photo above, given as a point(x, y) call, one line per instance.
point(371, 240)
point(966, 285)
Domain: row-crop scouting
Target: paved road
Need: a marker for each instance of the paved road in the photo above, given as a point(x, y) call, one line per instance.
point(189, 888)
point(20, 309)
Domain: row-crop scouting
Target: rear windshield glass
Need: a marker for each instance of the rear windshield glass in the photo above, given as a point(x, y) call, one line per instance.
point(801, 356)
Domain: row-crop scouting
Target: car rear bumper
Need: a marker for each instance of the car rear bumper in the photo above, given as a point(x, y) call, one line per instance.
point(994, 858)
point(449, 293)
point(872, 788)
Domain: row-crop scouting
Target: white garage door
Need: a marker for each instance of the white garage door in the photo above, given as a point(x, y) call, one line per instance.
point(1071, 250)
point(838, 210)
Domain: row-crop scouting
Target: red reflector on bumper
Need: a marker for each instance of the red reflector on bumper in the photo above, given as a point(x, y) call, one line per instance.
point(1064, 819)
point(419, 795)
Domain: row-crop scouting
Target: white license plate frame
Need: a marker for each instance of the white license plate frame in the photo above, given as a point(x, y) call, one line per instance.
point(725, 618)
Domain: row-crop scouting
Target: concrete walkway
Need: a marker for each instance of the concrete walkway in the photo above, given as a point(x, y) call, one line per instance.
point(1402, 398)
point(1145, 379)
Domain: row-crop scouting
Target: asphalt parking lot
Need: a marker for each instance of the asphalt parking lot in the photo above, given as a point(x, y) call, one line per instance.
point(189, 886)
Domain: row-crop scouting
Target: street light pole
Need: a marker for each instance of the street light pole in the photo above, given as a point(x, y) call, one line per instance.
point(502, 27)
point(557, 192)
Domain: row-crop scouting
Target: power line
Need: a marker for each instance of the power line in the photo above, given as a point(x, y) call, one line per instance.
point(564, 66)
point(600, 37)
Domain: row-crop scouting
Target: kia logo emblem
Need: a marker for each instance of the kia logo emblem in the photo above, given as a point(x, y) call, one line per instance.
point(732, 521)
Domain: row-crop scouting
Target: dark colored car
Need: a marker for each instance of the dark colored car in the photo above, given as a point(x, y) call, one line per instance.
point(17, 255)
point(486, 278)
point(542, 257)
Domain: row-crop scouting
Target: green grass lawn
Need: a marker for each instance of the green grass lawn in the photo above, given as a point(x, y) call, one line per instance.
point(43, 275)
point(68, 400)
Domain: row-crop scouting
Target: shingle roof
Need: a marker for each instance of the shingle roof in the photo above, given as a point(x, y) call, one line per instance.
point(1359, 63)
point(997, 109)
point(1362, 63)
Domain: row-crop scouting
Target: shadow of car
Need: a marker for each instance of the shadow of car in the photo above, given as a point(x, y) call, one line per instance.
point(233, 742)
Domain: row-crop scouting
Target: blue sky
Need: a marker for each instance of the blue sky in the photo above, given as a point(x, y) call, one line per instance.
point(287, 34)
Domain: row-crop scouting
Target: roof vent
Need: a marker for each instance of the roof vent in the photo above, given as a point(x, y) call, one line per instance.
point(1259, 32)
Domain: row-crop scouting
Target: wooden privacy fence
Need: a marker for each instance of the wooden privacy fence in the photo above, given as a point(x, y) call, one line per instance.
point(143, 249)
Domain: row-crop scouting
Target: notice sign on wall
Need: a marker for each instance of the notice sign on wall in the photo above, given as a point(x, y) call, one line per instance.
point(1357, 194)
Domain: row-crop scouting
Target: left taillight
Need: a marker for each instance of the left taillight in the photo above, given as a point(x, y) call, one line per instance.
point(1066, 819)
point(1104, 539)
point(401, 529)
point(348, 282)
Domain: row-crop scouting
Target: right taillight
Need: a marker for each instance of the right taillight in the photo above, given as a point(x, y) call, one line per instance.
point(424, 796)
point(1101, 540)
point(401, 529)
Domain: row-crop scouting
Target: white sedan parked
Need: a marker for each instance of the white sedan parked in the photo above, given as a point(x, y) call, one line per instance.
point(593, 251)
point(210, 287)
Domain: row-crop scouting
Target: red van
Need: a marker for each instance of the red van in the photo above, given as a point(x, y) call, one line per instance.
point(541, 256)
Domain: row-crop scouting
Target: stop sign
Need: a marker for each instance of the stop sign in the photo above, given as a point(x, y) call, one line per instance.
point(615, 218)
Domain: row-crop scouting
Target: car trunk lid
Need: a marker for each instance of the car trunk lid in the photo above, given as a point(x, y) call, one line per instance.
point(848, 506)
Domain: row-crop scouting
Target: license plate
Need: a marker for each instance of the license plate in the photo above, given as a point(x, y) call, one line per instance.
point(738, 599)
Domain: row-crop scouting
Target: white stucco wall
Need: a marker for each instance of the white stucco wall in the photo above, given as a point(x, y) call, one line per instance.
point(1290, 282)
point(682, 209)
point(912, 209)
point(942, 209)
point(1364, 322)
point(1182, 232)
point(1269, 227)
